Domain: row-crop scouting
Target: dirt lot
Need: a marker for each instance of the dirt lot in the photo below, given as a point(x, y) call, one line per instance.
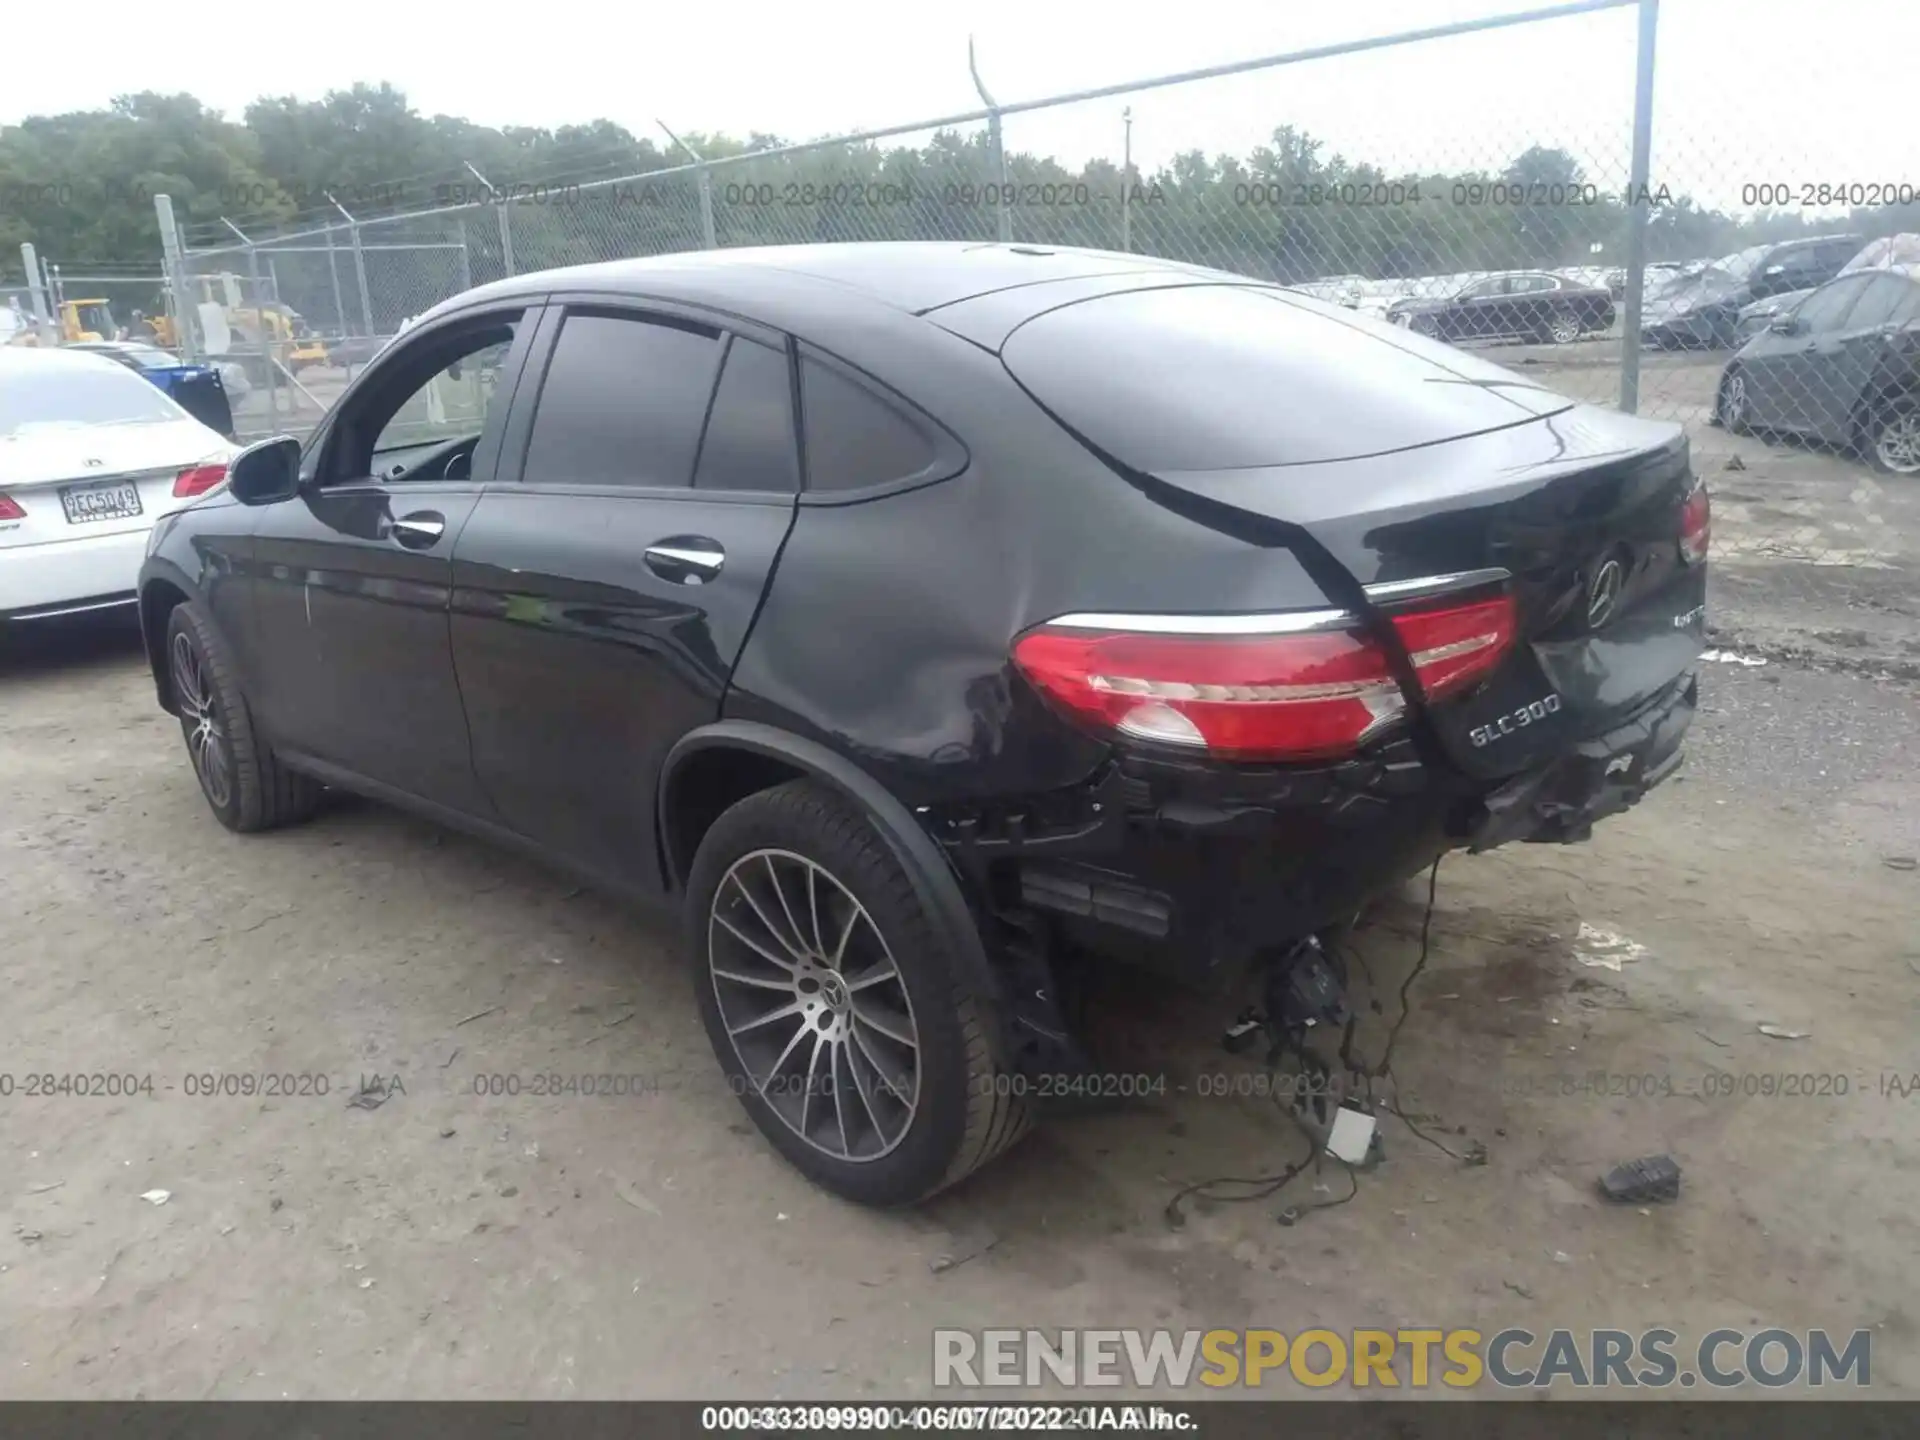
point(453, 1244)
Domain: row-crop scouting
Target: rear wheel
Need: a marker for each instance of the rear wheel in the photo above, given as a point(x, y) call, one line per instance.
point(1893, 437)
point(1735, 408)
point(833, 1006)
point(246, 787)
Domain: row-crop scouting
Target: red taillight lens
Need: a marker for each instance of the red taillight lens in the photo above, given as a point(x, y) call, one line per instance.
point(10, 509)
point(1276, 696)
point(1696, 526)
point(198, 480)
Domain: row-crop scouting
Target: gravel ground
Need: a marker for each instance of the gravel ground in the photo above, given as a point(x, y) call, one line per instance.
point(453, 1243)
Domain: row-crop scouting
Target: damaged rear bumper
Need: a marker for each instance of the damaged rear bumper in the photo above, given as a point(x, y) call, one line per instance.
point(1189, 869)
point(1561, 802)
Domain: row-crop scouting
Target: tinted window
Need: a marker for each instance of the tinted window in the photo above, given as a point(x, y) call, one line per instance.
point(623, 403)
point(1827, 309)
point(855, 438)
point(1222, 377)
point(1884, 295)
point(1480, 289)
point(749, 443)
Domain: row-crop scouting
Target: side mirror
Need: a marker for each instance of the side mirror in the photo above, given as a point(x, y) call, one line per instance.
point(266, 472)
point(1784, 325)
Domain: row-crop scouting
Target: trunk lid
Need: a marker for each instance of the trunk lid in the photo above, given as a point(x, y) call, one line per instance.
point(1402, 460)
point(39, 463)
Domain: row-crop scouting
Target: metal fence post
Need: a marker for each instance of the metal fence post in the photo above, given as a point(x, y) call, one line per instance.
point(1639, 204)
point(466, 261)
point(706, 209)
point(266, 342)
point(360, 267)
point(186, 314)
point(1126, 180)
point(36, 290)
point(1003, 212)
point(339, 301)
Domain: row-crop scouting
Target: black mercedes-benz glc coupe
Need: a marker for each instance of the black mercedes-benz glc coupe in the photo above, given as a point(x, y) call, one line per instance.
point(914, 616)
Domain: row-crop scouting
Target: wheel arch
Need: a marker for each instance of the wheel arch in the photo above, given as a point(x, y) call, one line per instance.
point(719, 764)
point(162, 589)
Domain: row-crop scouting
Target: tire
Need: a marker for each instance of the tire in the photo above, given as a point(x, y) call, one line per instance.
point(245, 786)
point(801, 860)
point(1892, 437)
point(1733, 408)
point(1563, 327)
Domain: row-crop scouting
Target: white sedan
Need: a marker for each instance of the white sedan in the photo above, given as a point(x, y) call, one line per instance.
point(90, 456)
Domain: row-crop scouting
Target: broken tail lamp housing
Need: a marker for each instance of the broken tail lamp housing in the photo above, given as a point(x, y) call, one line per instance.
point(1303, 685)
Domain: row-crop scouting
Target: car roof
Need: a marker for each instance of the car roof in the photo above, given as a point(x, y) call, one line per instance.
point(30, 357)
point(911, 276)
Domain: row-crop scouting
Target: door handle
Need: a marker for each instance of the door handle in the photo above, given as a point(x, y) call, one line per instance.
point(419, 531)
point(686, 559)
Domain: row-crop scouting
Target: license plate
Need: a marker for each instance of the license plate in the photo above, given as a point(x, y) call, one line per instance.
point(112, 500)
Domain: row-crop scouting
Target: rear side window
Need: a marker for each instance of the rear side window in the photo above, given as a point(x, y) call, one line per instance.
point(856, 438)
point(1228, 377)
point(623, 402)
point(749, 443)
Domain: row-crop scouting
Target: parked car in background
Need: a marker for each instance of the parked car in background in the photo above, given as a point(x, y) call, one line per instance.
point(1702, 310)
point(1887, 251)
point(1843, 367)
point(1157, 670)
point(1534, 304)
point(90, 455)
point(200, 390)
point(1344, 290)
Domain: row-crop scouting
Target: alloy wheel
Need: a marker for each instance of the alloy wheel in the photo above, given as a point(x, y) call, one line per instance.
point(814, 1005)
point(200, 719)
point(1898, 443)
point(1733, 405)
point(1564, 329)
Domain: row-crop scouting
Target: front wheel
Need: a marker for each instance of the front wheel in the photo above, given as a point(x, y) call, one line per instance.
point(1564, 327)
point(1893, 437)
point(833, 1005)
point(245, 785)
point(1735, 409)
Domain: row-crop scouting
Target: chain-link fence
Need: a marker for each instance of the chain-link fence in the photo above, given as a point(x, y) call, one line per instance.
point(1689, 260)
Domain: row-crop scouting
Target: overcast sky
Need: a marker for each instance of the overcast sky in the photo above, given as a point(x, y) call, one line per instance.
point(1748, 91)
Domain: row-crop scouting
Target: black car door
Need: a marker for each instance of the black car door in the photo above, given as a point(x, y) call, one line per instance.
point(1479, 310)
point(604, 589)
point(1844, 360)
point(352, 576)
point(1782, 369)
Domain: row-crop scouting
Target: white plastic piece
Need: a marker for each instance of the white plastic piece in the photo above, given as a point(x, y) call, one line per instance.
point(1352, 1135)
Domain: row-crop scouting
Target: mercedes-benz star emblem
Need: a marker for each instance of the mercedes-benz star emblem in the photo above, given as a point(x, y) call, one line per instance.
point(1603, 593)
point(94, 464)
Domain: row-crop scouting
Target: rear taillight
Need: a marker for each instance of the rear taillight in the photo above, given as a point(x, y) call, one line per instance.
point(1696, 526)
point(10, 509)
point(198, 480)
point(1278, 694)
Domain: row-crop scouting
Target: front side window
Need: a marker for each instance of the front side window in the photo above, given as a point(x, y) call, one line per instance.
point(624, 402)
point(454, 398)
point(1827, 309)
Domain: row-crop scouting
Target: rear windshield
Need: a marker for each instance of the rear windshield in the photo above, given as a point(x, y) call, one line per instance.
point(57, 398)
point(1234, 377)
